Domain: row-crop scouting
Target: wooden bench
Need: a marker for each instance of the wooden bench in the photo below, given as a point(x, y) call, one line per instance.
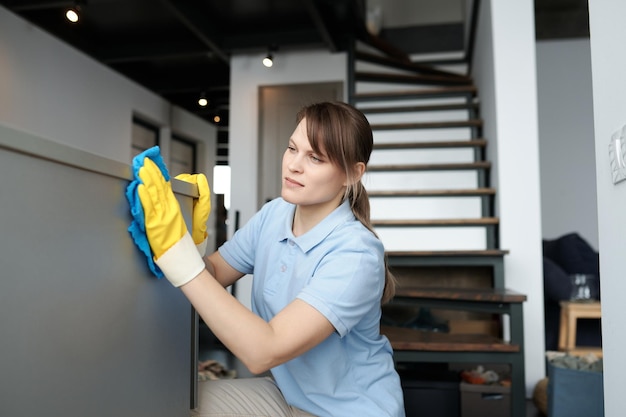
point(419, 346)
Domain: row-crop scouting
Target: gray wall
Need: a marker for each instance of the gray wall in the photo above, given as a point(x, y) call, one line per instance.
point(567, 154)
point(85, 327)
point(52, 90)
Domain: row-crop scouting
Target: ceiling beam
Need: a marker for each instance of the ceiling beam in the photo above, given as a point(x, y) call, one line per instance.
point(561, 24)
point(255, 41)
point(151, 52)
point(214, 90)
point(189, 16)
point(25, 6)
point(321, 24)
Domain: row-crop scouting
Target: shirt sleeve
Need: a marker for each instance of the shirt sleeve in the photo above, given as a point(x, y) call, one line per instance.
point(349, 280)
point(241, 250)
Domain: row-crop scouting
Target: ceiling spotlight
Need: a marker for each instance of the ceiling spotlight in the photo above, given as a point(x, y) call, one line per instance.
point(216, 119)
point(202, 101)
point(73, 13)
point(268, 61)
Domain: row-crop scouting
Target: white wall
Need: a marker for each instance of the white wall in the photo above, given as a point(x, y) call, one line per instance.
point(608, 64)
point(568, 172)
point(505, 74)
point(247, 74)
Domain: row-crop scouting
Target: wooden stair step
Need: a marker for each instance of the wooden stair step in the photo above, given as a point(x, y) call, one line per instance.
point(392, 62)
point(491, 257)
point(484, 253)
point(460, 166)
point(382, 45)
point(490, 295)
point(421, 79)
point(416, 340)
point(470, 143)
point(441, 92)
point(429, 125)
point(483, 221)
point(473, 192)
point(423, 108)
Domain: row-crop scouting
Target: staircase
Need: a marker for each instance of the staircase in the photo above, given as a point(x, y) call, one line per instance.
point(432, 205)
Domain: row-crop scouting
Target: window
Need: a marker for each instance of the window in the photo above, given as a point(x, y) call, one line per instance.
point(182, 156)
point(144, 136)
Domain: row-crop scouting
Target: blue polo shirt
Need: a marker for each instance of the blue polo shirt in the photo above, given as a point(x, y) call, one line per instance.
point(337, 267)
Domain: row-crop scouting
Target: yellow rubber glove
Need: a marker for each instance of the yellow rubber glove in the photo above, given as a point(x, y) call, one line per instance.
point(174, 250)
point(201, 209)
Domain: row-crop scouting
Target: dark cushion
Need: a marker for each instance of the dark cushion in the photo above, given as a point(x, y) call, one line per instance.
point(573, 254)
point(566, 255)
point(557, 285)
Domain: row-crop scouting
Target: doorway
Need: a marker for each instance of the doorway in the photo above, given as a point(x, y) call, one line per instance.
point(278, 106)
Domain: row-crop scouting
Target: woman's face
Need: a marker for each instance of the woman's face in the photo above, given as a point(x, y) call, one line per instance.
point(309, 178)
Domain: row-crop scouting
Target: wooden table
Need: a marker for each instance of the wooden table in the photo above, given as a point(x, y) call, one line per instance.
point(571, 311)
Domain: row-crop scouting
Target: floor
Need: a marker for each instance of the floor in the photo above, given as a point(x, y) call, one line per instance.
point(531, 410)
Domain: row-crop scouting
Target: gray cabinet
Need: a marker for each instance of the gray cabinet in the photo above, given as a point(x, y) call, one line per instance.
point(85, 329)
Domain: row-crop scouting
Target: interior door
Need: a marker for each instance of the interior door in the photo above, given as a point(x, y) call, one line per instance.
point(278, 108)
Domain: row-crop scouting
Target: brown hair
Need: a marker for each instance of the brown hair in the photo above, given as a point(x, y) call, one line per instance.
point(343, 133)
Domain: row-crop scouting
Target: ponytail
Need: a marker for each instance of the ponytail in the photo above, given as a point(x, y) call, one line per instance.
point(360, 204)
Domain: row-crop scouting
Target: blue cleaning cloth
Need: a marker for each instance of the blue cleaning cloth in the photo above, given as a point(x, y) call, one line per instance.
point(137, 226)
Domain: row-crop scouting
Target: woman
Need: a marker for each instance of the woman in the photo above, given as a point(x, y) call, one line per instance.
point(320, 278)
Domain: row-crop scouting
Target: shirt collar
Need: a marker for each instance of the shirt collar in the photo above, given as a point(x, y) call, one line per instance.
point(310, 239)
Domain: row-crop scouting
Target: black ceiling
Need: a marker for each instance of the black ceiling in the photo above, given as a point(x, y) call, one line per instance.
point(181, 48)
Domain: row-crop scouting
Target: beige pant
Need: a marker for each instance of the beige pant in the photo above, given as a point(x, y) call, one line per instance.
point(249, 397)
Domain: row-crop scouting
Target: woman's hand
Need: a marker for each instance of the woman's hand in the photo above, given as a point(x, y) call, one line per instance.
point(174, 250)
point(201, 209)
